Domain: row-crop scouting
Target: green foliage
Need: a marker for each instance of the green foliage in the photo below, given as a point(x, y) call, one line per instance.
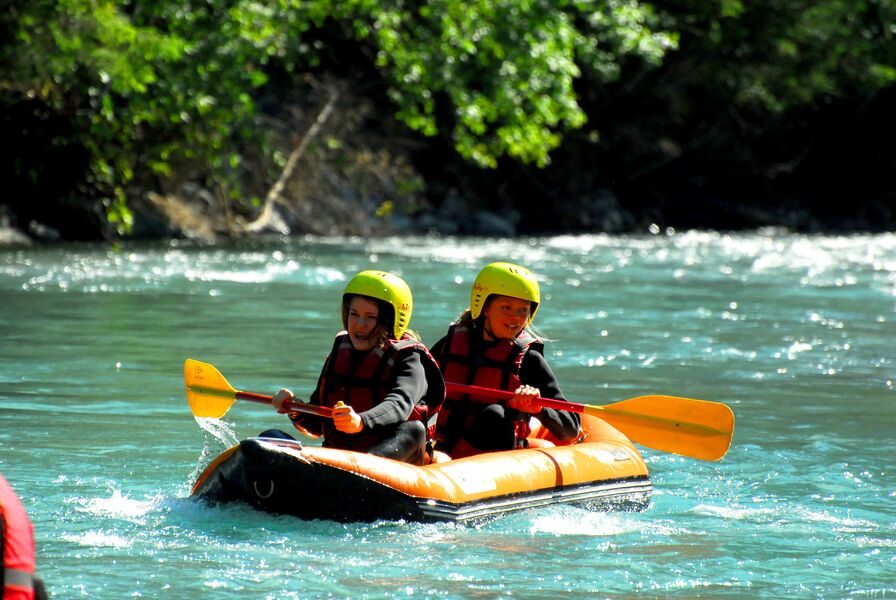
point(161, 88)
point(776, 54)
point(146, 101)
point(504, 70)
point(386, 208)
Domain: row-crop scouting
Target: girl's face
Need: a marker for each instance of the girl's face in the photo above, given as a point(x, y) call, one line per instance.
point(505, 317)
point(363, 327)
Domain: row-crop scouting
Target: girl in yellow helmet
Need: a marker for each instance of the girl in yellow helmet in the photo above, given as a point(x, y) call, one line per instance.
point(383, 385)
point(491, 345)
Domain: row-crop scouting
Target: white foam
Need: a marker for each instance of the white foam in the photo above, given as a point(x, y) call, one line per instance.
point(98, 539)
point(119, 506)
point(569, 520)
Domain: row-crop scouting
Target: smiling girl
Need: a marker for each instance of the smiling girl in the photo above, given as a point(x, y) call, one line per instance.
point(491, 345)
point(384, 386)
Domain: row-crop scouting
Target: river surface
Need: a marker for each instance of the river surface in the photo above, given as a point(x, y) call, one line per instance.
point(796, 334)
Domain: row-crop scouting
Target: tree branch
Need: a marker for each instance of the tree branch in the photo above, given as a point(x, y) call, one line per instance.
point(276, 190)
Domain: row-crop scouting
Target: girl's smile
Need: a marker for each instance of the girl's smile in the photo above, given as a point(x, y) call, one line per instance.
point(505, 317)
point(363, 324)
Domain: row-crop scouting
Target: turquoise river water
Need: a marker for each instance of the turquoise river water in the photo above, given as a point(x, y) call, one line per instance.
point(797, 334)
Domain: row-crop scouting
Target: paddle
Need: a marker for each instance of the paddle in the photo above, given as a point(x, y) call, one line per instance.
point(210, 395)
point(694, 428)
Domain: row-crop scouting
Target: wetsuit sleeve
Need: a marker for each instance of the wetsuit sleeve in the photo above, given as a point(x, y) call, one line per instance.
point(408, 388)
point(536, 372)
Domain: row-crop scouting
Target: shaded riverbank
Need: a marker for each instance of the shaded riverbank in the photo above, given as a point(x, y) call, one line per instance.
point(350, 172)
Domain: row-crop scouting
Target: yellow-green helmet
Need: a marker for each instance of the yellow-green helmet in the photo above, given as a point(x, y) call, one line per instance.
point(504, 279)
point(389, 288)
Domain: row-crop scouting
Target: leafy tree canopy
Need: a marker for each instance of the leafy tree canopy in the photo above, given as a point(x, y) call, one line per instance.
point(155, 88)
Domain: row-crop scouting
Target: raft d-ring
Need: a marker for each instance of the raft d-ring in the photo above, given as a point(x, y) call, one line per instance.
point(269, 493)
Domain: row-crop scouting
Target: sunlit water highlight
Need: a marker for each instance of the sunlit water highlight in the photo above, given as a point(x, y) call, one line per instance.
point(795, 333)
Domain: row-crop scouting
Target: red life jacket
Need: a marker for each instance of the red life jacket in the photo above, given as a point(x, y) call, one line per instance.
point(17, 541)
point(370, 382)
point(498, 368)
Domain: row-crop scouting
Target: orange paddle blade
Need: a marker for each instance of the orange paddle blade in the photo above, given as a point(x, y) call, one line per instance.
point(208, 393)
point(696, 428)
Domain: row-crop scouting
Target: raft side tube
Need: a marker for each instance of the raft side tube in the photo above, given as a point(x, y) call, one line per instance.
point(605, 455)
point(268, 475)
point(282, 476)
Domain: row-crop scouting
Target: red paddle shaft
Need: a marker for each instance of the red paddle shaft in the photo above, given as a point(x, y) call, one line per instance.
point(505, 395)
point(311, 409)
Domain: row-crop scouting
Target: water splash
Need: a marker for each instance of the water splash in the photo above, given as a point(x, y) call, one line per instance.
point(119, 506)
point(219, 431)
point(218, 435)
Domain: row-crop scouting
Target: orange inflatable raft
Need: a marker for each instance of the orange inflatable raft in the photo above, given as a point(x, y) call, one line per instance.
point(601, 471)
